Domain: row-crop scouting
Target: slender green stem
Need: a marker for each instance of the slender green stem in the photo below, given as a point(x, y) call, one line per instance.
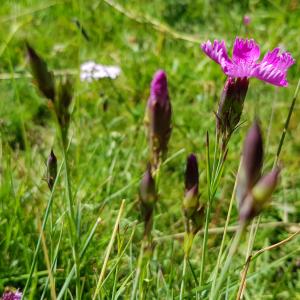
point(82, 252)
point(138, 271)
point(208, 171)
point(215, 292)
point(215, 154)
point(68, 183)
point(72, 228)
point(183, 276)
point(213, 179)
point(108, 251)
point(47, 213)
point(225, 231)
point(252, 235)
point(204, 245)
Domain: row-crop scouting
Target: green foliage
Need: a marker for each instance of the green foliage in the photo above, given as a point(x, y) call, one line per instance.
point(108, 149)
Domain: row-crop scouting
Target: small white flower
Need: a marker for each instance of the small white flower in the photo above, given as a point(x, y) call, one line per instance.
point(90, 71)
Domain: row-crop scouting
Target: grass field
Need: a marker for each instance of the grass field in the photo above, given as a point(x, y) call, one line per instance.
point(108, 150)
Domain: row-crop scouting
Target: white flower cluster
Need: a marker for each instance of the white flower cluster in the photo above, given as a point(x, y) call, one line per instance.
point(90, 71)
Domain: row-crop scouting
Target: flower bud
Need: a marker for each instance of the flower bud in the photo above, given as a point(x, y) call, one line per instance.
point(265, 187)
point(231, 106)
point(51, 169)
point(44, 78)
point(148, 199)
point(147, 188)
point(191, 201)
point(259, 196)
point(252, 162)
point(159, 116)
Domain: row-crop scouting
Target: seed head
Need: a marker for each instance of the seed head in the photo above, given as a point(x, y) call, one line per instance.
point(44, 79)
point(51, 169)
point(62, 105)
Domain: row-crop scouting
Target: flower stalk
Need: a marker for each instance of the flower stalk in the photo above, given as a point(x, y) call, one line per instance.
point(60, 98)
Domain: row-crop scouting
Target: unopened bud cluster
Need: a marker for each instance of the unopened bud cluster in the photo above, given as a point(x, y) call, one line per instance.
point(254, 191)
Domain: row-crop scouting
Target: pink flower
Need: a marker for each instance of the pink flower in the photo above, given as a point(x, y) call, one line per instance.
point(244, 63)
point(12, 295)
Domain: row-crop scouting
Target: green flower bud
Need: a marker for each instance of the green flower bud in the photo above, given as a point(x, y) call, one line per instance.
point(265, 187)
point(259, 196)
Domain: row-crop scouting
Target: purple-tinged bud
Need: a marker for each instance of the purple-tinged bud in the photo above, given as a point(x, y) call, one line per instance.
point(159, 87)
point(246, 20)
point(253, 154)
point(43, 78)
point(12, 295)
point(265, 187)
point(259, 196)
point(223, 111)
point(231, 106)
point(147, 188)
point(191, 173)
point(191, 198)
point(148, 197)
point(159, 116)
point(51, 169)
point(252, 162)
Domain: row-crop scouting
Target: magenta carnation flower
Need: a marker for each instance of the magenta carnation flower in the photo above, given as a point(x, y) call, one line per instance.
point(244, 63)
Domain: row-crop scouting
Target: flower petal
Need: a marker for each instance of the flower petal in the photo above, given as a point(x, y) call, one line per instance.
point(216, 51)
point(274, 66)
point(281, 61)
point(241, 70)
point(268, 73)
point(245, 51)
